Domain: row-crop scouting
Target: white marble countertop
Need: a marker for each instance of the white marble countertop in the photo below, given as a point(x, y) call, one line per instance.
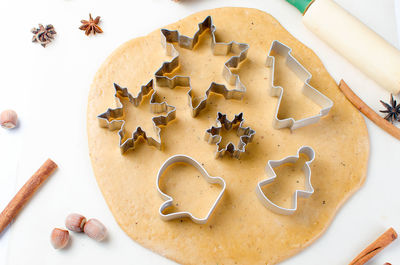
point(49, 87)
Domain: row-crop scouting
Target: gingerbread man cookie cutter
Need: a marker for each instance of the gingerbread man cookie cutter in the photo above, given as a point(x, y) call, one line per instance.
point(277, 91)
point(269, 169)
point(169, 37)
point(246, 134)
point(168, 200)
point(114, 119)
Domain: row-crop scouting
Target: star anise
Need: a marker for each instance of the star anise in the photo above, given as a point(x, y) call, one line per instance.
point(43, 35)
point(392, 110)
point(91, 25)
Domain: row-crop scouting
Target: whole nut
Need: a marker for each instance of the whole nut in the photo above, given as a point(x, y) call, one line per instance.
point(75, 222)
point(59, 238)
point(8, 119)
point(95, 229)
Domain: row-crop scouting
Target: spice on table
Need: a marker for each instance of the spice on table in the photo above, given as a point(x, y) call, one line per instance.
point(25, 193)
point(367, 111)
point(75, 222)
point(8, 119)
point(377, 246)
point(95, 229)
point(59, 238)
point(43, 35)
point(91, 26)
point(392, 110)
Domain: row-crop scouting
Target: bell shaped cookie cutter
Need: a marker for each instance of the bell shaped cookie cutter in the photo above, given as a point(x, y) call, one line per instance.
point(246, 134)
point(168, 200)
point(277, 91)
point(114, 119)
point(309, 190)
point(169, 37)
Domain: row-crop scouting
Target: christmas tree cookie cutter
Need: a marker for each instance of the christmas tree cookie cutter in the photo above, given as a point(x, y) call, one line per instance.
point(168, 200)
point(213, 135)
point(269, 169)
point(169, 37)
point(114, 119)
point(277, 91)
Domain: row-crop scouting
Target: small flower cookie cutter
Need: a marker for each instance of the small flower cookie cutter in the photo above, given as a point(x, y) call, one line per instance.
point(246, 134)
point(168, 200)
point(169, 37)
point(309, 190)
point(114, 119)
point(320, 99)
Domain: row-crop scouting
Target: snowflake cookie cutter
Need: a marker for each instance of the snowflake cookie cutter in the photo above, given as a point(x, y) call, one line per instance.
point(114, 119)
point(169, 37)
point(246, 134)
point(168, 200)
point(313, 94)
point(309, 190)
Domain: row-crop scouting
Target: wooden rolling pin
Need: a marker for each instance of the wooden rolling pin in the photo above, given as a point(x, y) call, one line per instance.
point(365, 49)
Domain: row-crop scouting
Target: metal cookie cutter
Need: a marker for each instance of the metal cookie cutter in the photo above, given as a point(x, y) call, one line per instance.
point(309, 152)
point(168, 200)
point(169, 37)
point(320, 99)
point(246, 134)
point(113, 119)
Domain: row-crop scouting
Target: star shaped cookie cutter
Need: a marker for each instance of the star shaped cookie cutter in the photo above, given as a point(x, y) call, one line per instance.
point(269, 169)
point(169, 37)
point(169, 200)
point(246, 134)
point(113, 119)
point(277, 91)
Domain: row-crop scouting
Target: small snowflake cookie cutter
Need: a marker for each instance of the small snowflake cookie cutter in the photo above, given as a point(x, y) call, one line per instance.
point(169, 37)
point(246, 134)
point(114, 119)
point(277, 91)
point(168, 200)
point(269, 169)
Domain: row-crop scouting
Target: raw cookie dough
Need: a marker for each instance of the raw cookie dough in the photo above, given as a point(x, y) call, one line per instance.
point(241, 230)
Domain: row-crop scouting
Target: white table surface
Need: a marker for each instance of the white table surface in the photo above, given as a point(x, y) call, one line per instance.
point(49, 87)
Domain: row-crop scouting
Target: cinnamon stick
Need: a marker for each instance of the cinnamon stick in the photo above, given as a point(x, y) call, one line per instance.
point(25, 193)
point(368, 253)
point(368, 112)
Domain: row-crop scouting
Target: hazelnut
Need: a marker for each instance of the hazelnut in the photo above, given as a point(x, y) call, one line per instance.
point(8, 119)
point(95, 229)
point(59, 238)
point(75, 222)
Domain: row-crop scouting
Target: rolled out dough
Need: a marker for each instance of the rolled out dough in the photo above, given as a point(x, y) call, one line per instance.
point(241, 230)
